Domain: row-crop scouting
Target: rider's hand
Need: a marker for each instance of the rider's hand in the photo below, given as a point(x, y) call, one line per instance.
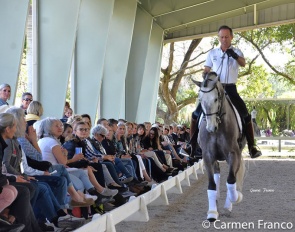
point(232, 54)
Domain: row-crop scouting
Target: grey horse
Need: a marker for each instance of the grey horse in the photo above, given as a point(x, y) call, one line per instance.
point(220, 138)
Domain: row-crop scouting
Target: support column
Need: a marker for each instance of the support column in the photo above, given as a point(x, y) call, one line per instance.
point(13, 18)
point(116, 60)
point(147, 106)
point(137, 61)
point(57, 36)
point(93, 29)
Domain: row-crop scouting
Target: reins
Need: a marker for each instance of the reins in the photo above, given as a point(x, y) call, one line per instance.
point(220, 106)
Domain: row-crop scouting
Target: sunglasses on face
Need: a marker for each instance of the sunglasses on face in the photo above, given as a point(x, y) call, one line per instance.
point(28, 99)
point(83, 129)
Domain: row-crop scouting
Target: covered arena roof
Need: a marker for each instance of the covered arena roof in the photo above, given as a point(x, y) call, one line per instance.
point(188, 19)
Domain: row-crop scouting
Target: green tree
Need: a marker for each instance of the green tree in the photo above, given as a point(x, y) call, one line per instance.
point(276, 39)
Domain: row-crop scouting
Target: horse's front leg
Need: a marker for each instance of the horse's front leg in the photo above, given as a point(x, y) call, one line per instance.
point(232, 193)
point(212, 213)
point(217, 178)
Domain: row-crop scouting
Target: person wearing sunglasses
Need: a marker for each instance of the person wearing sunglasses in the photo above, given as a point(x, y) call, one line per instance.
point(27, 98)
point(5, 91)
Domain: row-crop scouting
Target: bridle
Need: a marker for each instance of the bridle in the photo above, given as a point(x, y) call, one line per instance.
point(220, 97)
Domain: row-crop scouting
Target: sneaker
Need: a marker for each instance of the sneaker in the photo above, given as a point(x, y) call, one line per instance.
point(100, 198)
point(70, 221)
point(128, 194)
point(93, 197)
point(123, 179)
point(109, 192)
point(99, 208)
point(103, 199)
point(120, 189)
point(108, 207)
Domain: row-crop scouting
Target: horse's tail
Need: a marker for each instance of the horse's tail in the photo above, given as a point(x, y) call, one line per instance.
point(240, 174)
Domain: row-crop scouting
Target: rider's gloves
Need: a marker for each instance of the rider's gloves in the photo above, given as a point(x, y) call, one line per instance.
point(232, 54)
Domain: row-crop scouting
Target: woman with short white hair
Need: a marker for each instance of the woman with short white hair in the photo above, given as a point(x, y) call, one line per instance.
point(5, 92)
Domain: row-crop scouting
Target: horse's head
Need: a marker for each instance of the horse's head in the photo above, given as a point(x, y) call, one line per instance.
point(210, 99)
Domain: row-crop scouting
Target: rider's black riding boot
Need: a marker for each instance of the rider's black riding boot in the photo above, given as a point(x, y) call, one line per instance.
point(194, 131)
point(254, 152)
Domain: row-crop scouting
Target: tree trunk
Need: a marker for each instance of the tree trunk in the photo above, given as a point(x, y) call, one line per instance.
point(170, 82)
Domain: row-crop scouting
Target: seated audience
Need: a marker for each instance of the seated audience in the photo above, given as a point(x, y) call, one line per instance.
point(16, 163)
point(96, 177)
point(52, 151)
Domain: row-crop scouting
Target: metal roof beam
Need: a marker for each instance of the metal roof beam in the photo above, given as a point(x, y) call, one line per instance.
point(212, 16)
point(184, 8)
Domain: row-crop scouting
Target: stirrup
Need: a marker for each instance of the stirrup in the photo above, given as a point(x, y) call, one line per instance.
point(254, 152)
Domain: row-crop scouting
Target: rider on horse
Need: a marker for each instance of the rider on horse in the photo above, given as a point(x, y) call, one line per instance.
point(225, 61)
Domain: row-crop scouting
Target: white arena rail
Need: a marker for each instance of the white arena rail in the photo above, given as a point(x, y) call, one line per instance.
point(136, 208)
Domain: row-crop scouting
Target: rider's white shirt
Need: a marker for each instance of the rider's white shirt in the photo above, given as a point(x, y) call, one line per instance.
point(227, 68)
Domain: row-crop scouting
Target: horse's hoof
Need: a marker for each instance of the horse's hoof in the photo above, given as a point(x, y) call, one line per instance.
point(212, 215)
point(239, 199)
point(228, 207)
point(211, 219)
point(226, 213)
